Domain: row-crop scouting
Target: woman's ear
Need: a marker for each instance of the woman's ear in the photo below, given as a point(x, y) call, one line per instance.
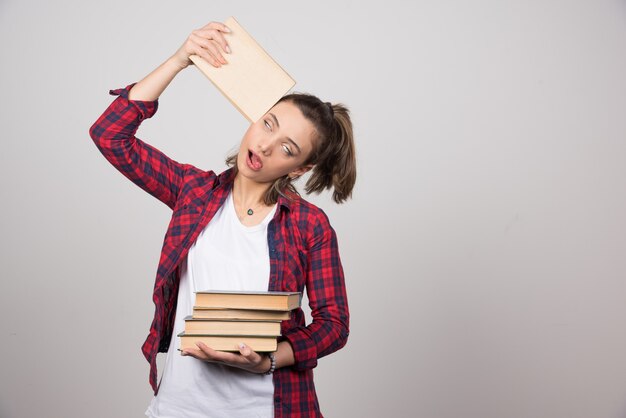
point(300, 171)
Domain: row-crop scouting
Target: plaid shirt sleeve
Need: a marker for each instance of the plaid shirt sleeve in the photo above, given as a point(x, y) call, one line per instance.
point(114, 135)
point(325, 286)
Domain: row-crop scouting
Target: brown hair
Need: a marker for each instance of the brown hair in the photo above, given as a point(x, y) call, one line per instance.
point(333, 154)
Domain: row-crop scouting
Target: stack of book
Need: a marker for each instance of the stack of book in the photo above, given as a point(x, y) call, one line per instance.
point(224, 319)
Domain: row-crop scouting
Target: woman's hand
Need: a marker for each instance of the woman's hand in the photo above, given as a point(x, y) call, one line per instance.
point(247, 359)
point(207, 42)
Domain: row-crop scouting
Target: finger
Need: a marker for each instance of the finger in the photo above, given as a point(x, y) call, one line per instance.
point(208, 351)
point(217, 25)
point(207, 50)
point(208, 58)
point(215, 48)
point(195, 353)
point(220, 356)
point(249, 354)
point(202, 53)
point(216, 355)
point(244, 350)
point(217, 36)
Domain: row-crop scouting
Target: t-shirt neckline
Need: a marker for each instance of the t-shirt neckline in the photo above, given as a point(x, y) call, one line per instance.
point(266, 220)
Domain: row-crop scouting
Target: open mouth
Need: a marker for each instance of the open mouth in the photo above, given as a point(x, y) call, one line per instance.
point(254, 161)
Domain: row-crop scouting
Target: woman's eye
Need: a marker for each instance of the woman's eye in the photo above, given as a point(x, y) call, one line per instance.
point(267, 125)
point(287, 150)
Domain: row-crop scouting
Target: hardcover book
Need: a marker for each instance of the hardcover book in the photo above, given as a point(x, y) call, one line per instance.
point(231, 327)
point(251, 79)
point(240, 314)
point(229, 342)
point(276, 301)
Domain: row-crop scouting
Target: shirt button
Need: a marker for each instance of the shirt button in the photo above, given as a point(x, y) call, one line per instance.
point(277, 399)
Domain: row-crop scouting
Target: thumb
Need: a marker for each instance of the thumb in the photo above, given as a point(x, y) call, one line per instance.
point(245, 351)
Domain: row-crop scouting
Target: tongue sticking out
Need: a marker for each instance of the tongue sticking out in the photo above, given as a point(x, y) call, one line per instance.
point(255, 161)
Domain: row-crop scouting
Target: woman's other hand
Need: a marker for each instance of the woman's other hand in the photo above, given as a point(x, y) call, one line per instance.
point(207, 42)
point(246, 359)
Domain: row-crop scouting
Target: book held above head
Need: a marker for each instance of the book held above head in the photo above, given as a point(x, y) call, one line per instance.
point(251, 80)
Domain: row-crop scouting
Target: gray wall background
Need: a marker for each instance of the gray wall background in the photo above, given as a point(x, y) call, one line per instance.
point(484, 248)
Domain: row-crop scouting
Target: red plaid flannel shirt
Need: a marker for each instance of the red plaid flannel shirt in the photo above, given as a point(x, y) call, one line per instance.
point(302, 247)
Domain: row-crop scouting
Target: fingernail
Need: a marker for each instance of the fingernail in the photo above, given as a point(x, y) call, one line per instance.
point(226, 29)
point(242, 345)
point(227, 49)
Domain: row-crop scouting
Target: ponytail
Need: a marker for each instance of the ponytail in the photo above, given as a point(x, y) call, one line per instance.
point(333, 155)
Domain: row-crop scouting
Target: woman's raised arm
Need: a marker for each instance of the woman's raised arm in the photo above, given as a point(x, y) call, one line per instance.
point(207, 42)
point(114, 131)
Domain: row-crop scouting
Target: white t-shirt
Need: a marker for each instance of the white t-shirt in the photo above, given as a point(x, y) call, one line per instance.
point(226, 256)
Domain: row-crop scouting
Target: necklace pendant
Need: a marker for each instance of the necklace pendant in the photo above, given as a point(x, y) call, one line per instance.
point(250, 212)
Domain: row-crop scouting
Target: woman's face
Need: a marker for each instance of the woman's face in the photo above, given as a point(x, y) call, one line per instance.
point(277, 144)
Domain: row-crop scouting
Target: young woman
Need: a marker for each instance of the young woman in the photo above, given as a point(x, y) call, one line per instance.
point(243, 229)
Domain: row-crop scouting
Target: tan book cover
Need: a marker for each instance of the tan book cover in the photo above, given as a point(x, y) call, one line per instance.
point(231, 327)
point(251, 79)
point(262, 300)
point(228, 342)
point(214, 313)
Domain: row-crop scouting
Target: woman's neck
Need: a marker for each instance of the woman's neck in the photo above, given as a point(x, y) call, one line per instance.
point(247, 192)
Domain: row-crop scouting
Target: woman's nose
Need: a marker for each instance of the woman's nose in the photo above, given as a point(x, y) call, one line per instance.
point(265, 147)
